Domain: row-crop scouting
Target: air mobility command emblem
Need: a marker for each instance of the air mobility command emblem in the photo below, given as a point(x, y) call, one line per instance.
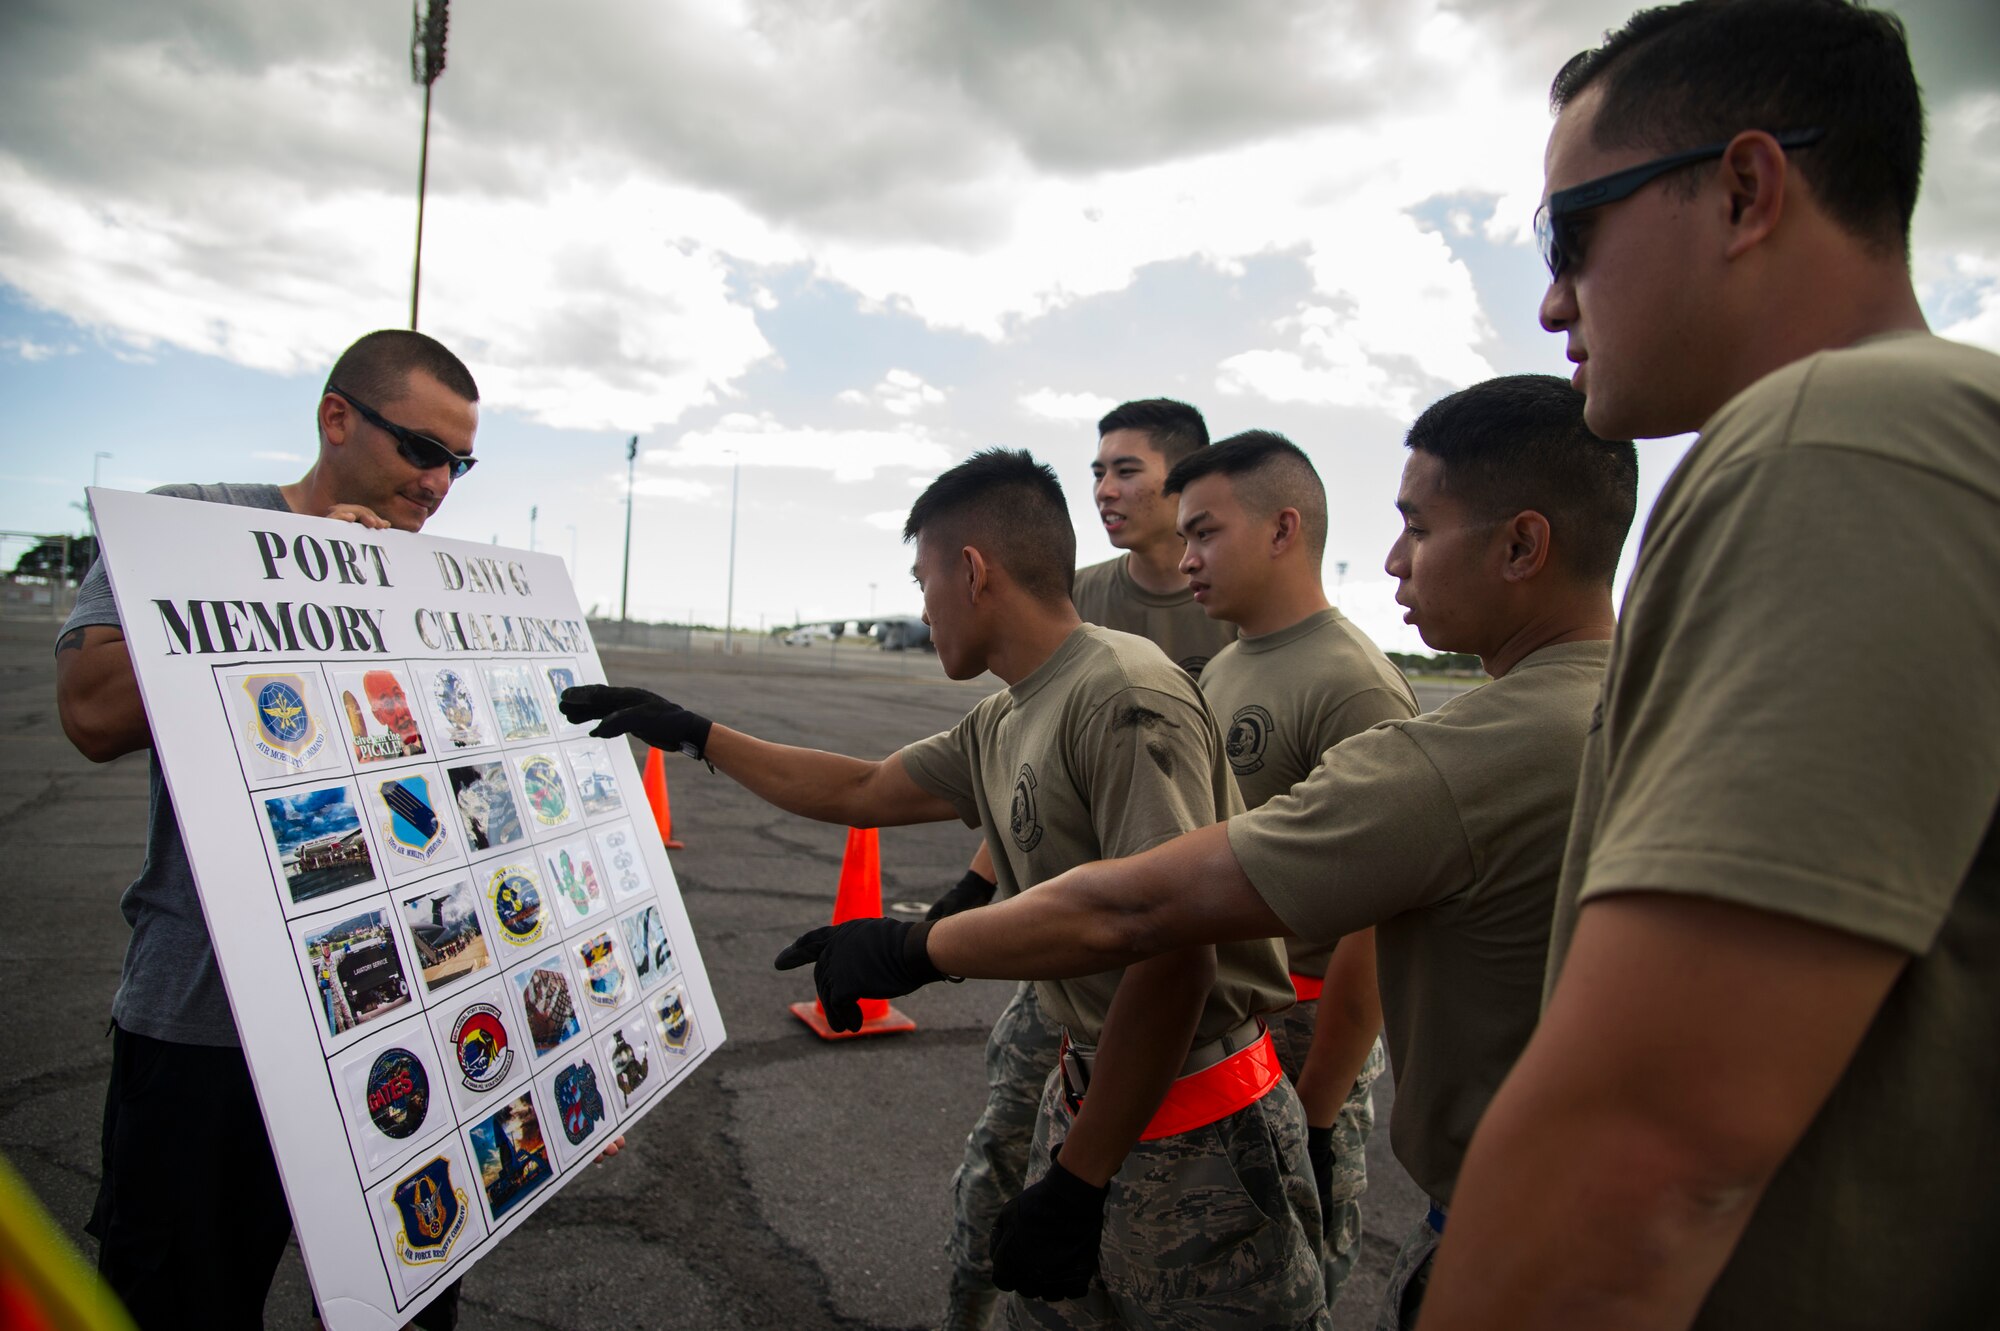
point(283, 728)
point(432, 1208)
point(413, 829)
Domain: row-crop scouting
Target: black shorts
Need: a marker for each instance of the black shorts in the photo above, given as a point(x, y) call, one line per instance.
point(191, 1217)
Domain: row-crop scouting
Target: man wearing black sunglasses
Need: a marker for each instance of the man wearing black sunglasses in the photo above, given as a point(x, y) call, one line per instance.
point(1762, 1087)
point(190, 1217)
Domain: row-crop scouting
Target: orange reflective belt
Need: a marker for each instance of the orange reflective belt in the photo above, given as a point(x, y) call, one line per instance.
point(1307, 987)
point(1214, 1093)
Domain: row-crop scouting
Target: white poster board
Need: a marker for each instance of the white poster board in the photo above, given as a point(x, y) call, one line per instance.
point(454, 947)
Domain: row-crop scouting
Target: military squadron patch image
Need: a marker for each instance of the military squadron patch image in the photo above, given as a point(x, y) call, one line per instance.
point(548, 794)
point(430, 1213)
point(518, 908)
point(628, 1052)
point(399, 1093)
point(621, 860)
point(412, 832)
point(281, 726)
point(607, 984)
point(481, 1046)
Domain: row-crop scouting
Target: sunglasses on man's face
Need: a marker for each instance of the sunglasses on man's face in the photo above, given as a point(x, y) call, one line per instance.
point(1555, 226)
point(419, 450)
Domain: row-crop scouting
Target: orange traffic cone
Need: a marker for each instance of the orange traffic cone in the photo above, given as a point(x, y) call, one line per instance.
point(656, 795)
point(859, 898)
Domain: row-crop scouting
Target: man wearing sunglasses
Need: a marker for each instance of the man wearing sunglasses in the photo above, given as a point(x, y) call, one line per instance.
point(1762, 1091)
point(190, 1217)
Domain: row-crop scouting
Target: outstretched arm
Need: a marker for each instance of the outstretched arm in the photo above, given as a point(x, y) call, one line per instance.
point(1099, 917)
point(830, 787)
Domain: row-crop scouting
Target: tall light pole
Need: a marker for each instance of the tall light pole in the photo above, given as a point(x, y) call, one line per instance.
point(729, 614)
point(1339, 579)
point(95, 460)
point(625, 589)
point(534, 511)
point(426, 63)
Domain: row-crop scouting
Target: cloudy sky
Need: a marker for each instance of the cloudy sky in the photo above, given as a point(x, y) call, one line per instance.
point(844, 243)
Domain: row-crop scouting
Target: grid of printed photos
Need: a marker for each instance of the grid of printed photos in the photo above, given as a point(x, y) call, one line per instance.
point(477, 935)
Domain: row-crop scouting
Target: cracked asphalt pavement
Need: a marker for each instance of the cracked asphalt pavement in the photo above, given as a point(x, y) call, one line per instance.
point(789, 1183)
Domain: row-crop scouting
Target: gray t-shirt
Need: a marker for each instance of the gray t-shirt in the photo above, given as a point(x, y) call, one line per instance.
point(170, 989)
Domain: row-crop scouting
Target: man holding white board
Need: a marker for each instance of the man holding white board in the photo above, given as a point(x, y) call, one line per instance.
point(187, 1246)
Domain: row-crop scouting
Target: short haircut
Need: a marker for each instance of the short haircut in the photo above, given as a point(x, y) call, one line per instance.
point(1268, 472)
point(1518, 443)
point(1011, 509)
point(1173, 428)
point(1702, 72)
point(377, 367)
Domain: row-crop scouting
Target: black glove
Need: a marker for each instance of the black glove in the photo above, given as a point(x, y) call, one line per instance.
point(1045, 1241)
point(969, 891)
point(641, 712)
point(862, 959)
point(1319, 1150)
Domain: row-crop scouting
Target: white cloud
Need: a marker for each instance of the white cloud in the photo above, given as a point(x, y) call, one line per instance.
point(901, 393)
point(32, 351)
point(1066, 408)
point(274, 455)
point(760, 441)
point(889, 520)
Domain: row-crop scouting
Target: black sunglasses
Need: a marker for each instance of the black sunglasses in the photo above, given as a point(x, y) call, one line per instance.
point(1554, 233)
point(419, 450)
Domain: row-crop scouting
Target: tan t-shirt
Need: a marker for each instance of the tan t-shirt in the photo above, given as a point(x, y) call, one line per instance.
point(1285, 698)
point(1803, 717)
point(1104, 751)
point(1446, 833)
point(1105, 594)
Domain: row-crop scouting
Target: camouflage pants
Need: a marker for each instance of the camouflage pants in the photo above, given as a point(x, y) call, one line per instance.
point(1019, 1055)
point(1408, 1278)
point(1292, 1033)
point(1209, 1230)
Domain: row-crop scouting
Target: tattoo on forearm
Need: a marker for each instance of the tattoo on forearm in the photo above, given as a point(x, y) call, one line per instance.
point(71, 641)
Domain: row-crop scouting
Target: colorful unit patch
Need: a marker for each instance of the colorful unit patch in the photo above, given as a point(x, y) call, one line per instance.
point(284, 728)
point(413, 829)
point(544, 785)
point(399, 1093)
point(604, 980)
point(579, 1102)
point(517, 904)
point(481, 1040)
point(433, 1214)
